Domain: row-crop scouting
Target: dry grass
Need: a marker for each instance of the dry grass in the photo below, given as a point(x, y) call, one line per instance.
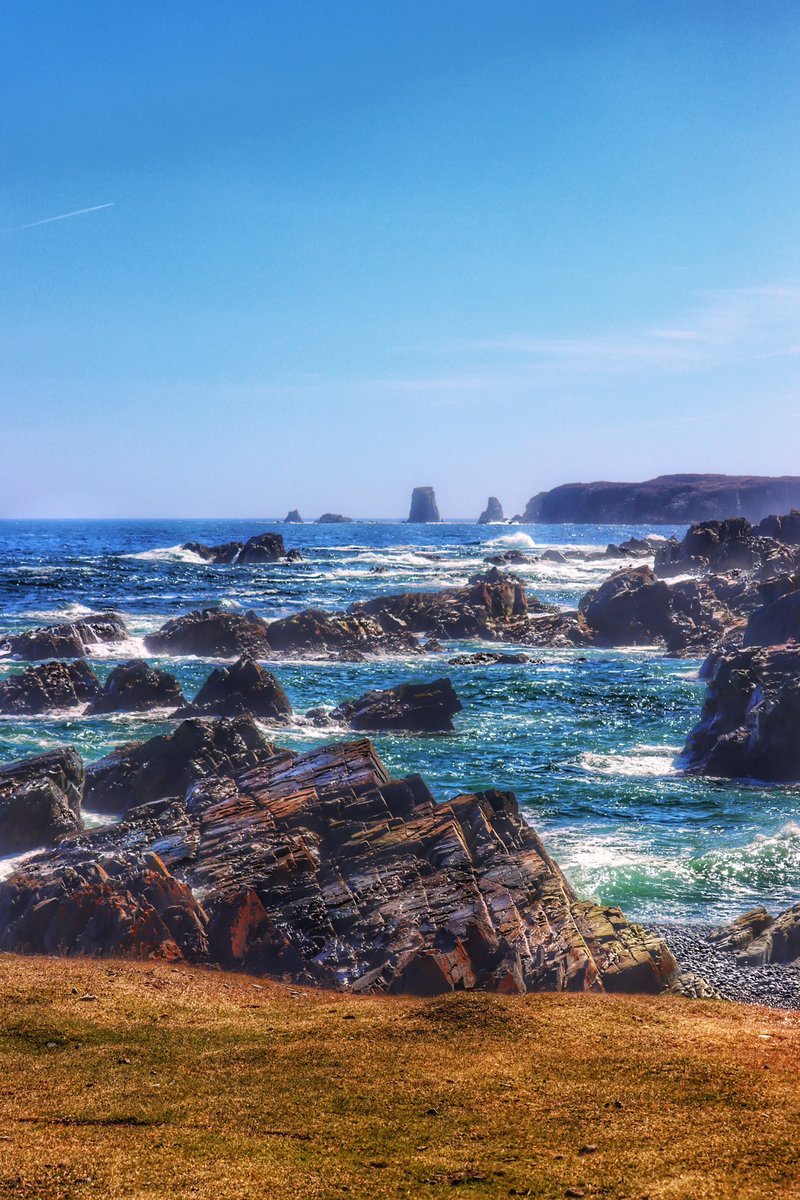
point(190, 1083)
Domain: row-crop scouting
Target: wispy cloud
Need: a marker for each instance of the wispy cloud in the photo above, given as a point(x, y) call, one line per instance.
point(78, 212)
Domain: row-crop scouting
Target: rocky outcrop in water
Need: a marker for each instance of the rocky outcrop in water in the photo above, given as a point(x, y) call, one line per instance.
point(320, 868)
point(749, 723)
point(293, 517)
point(243, 689)
point(492, 512)
point(40, 800)
point(263, 548)
point(48, 687)
point(74, 639)
point(719, 547)
point(334, 519)
point(424, 509)
point(407, 708)
point(135, 686)
point(314, 631)
point(171, 764)
point(666, 500)
point(211, 633)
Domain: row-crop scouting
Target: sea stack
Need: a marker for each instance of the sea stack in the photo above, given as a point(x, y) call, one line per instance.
point(492, 512)
point(293, 517)
point(423, 506)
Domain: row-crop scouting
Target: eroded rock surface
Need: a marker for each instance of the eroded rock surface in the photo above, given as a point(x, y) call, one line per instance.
point(245, 688)
point(492, 512)
point(211, 633)
point(40, 800)
point(48, 687)
point(757, 938)
point(314, 631)
point(409, 708)
point(135, 686)
point(74, 639)
point(423, 506)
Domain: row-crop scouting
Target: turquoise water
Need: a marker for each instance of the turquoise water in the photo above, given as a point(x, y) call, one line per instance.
point(587, 739)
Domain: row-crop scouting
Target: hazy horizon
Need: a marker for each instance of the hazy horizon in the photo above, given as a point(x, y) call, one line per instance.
point(311, 255)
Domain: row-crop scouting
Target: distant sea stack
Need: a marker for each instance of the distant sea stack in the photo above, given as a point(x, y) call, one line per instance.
point(334, 519)
point(423, 506)
point(666, 500)
point(293, 517)
point(492, 512)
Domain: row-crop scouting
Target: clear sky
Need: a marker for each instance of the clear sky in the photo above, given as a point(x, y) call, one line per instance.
point(355, 246)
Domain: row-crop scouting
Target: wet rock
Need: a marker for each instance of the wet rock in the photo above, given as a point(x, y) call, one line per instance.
point(314, 631)
point(48, 687)
point(553, 556)
point(719, 547)
point(211, 633)
point(293, 517)
point(775, 623)
point(293, 556)
point(135, 686)
point(631, 608)
point(749, 721)
point(334, 519)
point(244, 688)
point(492, 512)
point(263, 548)
point(488, 658)
point(635, 548)
point(40, 800)
point(409, 708)
point(508, 556)
point(169, 765)
point(423, 506)
point(74, 639)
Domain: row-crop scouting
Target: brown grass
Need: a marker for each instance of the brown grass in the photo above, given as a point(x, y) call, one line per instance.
point(191, 1083)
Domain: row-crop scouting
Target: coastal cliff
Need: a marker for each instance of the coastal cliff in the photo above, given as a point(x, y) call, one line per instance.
point(666, 500)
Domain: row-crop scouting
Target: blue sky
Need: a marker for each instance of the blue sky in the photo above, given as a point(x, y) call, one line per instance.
point(354, 247)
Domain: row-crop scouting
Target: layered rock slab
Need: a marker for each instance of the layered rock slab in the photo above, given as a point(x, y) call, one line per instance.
point(40, 800)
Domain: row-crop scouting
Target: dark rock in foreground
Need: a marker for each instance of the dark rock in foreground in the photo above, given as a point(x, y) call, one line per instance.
point(423, 507)
point(666, 500)
point(320, 868)
point(775, 623)
point(263, 548)
point(135, 686)
point(40, 800)
point(243, 689)
point(169, 765)
point(749, 727)
point(211, 633)
point(48, 687)
point(72, 640)
point(408, 708)
point(492, 512)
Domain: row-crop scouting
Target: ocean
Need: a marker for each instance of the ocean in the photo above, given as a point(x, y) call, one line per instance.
point(586, 738)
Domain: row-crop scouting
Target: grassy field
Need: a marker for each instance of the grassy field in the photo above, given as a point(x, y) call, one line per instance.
point(121, 1079)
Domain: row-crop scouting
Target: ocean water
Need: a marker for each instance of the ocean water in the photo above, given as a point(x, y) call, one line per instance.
point(586, 739)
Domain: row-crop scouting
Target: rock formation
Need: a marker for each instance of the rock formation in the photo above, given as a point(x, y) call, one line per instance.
point(135, 686)
point(293, 517)
point(775, 623)
point(423, 506)
point(320, 868)
point(211, 633)
point(74, 639)
point(243, 689)
point(749, 724)
point(756, 938)
point(48, 687)
point(720, 547)
point(314, 631)
point(408, 708)
point(666, 500)
point(492, 512)
point(40, 800)
point(334, 519)
point(263, 548)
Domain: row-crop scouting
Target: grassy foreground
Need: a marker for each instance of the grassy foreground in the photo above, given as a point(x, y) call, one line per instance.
point(191, 1083)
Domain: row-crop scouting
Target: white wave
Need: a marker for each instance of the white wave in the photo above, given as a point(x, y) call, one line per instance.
point(10, 862)
point(127, 648)
point(769, 859)
point(168, 554)
point(642, 763)
point(70, 612)
point(513, 539)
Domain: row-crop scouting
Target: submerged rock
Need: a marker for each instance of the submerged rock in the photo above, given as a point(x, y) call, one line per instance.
point(408, 707)
point(40, 800)
point(321, 869)
point(492, 512)
point(135, 686)
point(423, 506)
point(48, 687)
point(74, 639)
point(211, 633)
point(169, 765)
point(749, 724)
point(245, 688)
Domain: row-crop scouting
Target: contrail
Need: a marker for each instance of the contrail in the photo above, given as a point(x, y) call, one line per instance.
point(61, 217)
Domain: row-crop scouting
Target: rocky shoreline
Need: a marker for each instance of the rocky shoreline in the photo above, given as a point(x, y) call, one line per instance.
point(776, 985)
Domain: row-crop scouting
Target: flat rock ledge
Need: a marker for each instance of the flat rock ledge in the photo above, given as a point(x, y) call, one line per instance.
point(320, 868)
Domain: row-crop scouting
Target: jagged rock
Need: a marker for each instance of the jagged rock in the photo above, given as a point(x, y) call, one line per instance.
point(409, 707)
point(71, 640)
point(334, 519)
point(244, 688)
point(264, 547)
point(293, 556)
point(749, 724)
point(170, 764)
point(320, 868)
point(488, 658)
point(565, 629)
point(631, 608)
point(135, 686)
point(494, 605)
point(741, 932)
point(211, 633)
point(314, 631)
point(775, 623)
point(423, 506)
point(492, 512)
point(508, 556)
point(40, 800)
point(293, 517)
point(720, 547)
point(47, 687)
point(635, 548)
point(552, 555)
point(758, 938)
